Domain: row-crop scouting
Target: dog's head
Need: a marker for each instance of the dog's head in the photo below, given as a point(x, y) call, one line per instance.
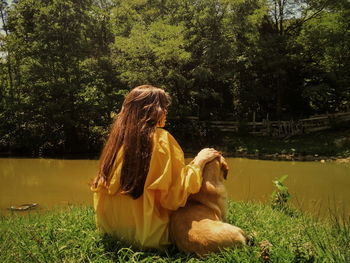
point(218, 166)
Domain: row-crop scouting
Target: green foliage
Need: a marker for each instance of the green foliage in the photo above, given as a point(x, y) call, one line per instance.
point(150, 54)
point(65, 65)
point(326, 45)
point(194, 135)
point(61, 92)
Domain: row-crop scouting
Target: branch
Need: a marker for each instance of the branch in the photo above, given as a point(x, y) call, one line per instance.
point(275, 15)
point(303, 20)
point(2, 8)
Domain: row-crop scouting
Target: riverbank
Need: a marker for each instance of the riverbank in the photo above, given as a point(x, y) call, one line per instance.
point(331, 145)
point(69, 235)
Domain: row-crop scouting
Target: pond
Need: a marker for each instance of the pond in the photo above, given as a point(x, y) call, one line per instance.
point(315, 187)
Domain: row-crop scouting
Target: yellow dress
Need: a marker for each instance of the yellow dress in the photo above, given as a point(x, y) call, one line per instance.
point(144, 222)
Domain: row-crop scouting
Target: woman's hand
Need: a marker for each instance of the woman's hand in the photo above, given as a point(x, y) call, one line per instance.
point(206, 155)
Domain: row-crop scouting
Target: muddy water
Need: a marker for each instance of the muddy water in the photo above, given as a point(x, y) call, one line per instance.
point(48, 182)
point(314, 186)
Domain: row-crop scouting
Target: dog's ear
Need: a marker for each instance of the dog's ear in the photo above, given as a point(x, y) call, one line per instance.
point(224, 167)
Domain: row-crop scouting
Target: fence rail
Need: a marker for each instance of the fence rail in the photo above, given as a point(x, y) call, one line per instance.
point(284, 128)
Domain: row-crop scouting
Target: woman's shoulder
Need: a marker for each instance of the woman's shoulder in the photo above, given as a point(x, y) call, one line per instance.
point(163, 134)
point(164, 138)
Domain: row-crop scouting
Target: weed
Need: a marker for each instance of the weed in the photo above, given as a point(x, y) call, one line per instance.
point(281, 195)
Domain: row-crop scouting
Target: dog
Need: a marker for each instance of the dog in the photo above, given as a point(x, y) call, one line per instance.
point(199, 226)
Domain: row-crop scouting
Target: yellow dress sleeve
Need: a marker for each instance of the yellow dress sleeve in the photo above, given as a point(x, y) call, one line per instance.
point(169, 178)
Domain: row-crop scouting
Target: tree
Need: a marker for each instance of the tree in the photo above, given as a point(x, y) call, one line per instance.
point(278, 65)
point(150, 48)
point(326, 42)
point(65, 79)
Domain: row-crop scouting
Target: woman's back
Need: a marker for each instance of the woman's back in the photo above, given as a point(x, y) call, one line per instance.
point(144, 221)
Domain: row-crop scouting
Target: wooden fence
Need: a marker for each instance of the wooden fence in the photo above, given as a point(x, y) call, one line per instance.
point(284, 128)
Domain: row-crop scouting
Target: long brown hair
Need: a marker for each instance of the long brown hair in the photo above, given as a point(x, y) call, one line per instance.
point(133, 131)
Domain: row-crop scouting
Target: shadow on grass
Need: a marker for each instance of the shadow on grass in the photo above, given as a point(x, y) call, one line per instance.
point(119, 251)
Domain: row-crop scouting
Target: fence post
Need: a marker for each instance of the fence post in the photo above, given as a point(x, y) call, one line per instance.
point(254, 126)
point(268, 124)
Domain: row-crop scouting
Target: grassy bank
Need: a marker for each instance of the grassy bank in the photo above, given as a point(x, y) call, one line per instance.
point(69, 235)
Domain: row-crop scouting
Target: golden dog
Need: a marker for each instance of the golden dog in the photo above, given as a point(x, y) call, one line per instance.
point(198, 227)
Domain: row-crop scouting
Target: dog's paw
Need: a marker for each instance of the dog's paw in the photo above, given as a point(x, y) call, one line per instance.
point(265, 247)
point(251, 239)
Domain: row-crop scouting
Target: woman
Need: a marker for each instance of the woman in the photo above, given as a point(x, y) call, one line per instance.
point(142, 175)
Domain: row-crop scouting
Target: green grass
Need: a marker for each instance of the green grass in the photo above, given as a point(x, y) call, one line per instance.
point(69, 235)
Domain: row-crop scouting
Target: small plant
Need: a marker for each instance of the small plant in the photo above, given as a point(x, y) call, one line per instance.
point(303, 252)
point(280, 196)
